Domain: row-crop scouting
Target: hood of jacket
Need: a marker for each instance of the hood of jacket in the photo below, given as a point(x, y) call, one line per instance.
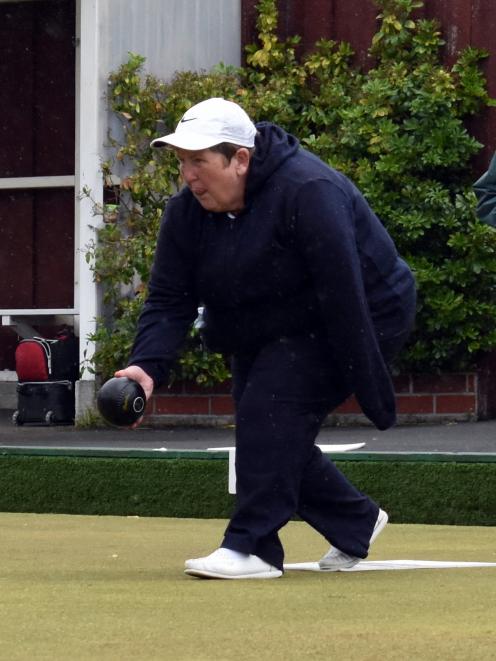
point(273, 146)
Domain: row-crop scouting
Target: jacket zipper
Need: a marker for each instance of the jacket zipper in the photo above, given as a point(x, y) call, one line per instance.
point(229, 255)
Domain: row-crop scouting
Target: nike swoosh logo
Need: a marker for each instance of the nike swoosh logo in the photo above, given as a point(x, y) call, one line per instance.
point(188, 120)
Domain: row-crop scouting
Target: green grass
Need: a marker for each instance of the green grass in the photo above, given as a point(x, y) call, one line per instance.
point(112, 588)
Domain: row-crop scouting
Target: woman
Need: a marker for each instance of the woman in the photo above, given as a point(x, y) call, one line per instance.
point(303, 287)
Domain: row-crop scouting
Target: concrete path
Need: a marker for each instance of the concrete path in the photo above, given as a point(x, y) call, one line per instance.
point(463, 437)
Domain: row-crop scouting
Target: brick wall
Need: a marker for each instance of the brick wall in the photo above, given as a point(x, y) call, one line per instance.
point(425, 398)
point(420, 398)
point(188, 403)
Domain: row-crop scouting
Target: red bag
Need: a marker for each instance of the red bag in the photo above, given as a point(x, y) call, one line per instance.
point(33, 360)
point(38, 359)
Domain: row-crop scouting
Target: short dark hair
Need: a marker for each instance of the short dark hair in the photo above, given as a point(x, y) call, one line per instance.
point(228, 149)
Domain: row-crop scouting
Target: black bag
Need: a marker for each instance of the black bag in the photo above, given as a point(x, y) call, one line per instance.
point(50, 402)
point(39, 359)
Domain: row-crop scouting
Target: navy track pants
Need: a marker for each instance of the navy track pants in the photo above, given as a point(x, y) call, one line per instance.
point(283, 393)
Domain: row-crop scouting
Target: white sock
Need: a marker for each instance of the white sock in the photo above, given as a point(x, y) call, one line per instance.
point(233, 555)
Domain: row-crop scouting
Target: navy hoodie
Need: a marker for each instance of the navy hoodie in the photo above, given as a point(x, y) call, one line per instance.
point(306, 254)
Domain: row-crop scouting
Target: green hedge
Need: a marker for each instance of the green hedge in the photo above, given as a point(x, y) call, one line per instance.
point(437, 492)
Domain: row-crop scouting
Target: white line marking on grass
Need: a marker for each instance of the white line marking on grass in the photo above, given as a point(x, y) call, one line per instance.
point(384, 565)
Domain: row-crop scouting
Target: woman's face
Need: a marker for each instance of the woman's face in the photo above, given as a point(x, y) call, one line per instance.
point(217, 184)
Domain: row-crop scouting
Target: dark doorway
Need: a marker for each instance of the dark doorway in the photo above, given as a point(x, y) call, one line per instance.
point(37, 134)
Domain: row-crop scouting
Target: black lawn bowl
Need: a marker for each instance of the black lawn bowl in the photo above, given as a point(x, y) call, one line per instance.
point(121, 401)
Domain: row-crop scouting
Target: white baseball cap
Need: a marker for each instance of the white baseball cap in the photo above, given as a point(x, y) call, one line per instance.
point(209, 123)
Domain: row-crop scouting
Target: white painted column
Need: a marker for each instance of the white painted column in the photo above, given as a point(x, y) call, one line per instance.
point(87, 170)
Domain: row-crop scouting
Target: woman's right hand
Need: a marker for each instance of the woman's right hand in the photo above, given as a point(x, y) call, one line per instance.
point(138, 374)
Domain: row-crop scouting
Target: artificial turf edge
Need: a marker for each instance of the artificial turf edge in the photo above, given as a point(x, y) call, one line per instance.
point(435, 492)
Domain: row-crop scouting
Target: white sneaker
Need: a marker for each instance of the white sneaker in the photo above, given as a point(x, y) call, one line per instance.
point(334, 559)
point(224, 563)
